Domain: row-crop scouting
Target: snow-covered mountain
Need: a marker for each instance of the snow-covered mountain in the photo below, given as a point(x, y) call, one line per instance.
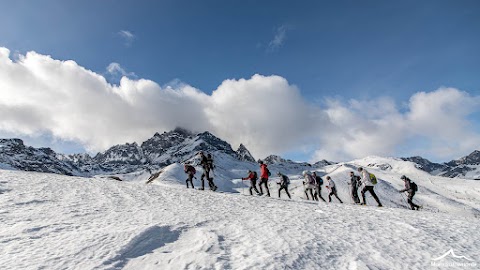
point(243, 154)
point(287, 164)
point(466, 167)
point(178, 146)
point(14, 154)
point(161, 150)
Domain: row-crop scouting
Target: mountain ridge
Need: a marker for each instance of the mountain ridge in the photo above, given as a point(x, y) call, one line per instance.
point(177, 146)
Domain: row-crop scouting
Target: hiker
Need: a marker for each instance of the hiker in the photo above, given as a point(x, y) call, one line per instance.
point(333, 190)
point(264, 174)
point(318, 186)
point(190, 171)
point(207, 165)
point(411, 188)
point(354, 184)
point(252, 176)
point(309, 184)
point(284, 182)
point(211, 166)
point(367, 185)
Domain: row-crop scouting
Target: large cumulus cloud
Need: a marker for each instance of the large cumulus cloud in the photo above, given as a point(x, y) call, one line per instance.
point(441, 123)
point(44, 95)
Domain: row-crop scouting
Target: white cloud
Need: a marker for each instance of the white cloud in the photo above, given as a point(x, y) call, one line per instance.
point(265, 113)
point(41, 95)
point(116, 70)
point(279, 38)
point(127, 36)
point(377, 127)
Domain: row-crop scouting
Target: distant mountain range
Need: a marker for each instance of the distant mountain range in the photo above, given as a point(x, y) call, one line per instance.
point(466, 167)
point(179, 145)
point(161, 150)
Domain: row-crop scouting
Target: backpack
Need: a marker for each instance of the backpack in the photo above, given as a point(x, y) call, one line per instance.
point(210, 163)
point(191, 169)
point(268, 172)
point(255, 176)
point(373, 178)
point(286, 180)
point(413, 186)
point(319, 180)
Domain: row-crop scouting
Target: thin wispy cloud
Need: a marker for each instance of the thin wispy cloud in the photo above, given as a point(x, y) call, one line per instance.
point(279, 39)
point(116, 70)
point(127, 36)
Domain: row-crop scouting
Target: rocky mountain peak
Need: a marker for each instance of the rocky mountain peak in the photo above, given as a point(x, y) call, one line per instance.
point(472, 159)
point(323, 163)
point(274, 159)
point(209, 142)
point(425, 164)
point(243, 154)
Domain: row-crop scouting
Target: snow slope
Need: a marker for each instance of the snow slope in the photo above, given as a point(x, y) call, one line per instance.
point(60, 222)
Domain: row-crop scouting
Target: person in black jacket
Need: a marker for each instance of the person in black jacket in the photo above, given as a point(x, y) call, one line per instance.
point(284, 182)
point(410, 188)
point(318, 188)
point(207, 165)
point(354, 184)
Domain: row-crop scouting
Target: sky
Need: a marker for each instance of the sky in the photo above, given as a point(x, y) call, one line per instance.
point(307, 80)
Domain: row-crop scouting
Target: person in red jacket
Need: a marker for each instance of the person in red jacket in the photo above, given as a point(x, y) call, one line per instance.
point(252, 176)
point(263, 178)
point(190, 171)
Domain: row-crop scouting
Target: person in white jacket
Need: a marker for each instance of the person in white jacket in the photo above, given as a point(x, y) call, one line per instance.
point(309, 184)
point(367, 185)
point(333, 189)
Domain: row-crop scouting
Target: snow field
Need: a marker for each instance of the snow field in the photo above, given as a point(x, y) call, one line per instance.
point(59, 222)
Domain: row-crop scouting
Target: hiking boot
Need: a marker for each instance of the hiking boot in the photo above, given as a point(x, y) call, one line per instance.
point(380, 205)
point(201, 188)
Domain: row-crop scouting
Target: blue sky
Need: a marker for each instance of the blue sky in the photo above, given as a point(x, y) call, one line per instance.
point(328, 49)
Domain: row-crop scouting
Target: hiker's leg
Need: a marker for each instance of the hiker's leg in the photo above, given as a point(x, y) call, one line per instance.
point(254, 185)
point(410, 201)
point(288, 193)
point(372, 191)
point(266, 187)
point(363, 195)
